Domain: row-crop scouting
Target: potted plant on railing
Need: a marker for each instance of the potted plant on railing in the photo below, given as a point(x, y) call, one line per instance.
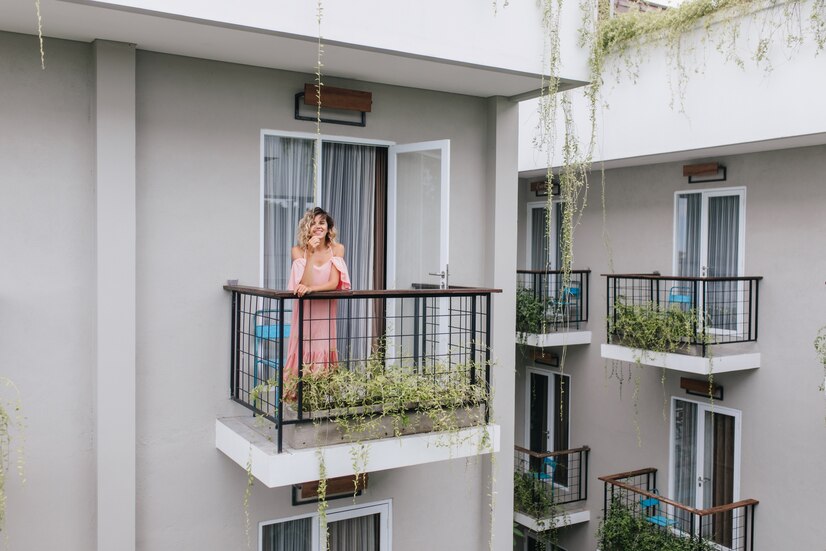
point(651, 327)
point(622, 530)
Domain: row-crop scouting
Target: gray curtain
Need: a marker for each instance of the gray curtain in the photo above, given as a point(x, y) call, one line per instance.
point(355, 534)
point(685, 453)
point(293, 535)
point(723, 254)
point(539, 240)
point(688, 234)
point(288, 193)
point(348, 194)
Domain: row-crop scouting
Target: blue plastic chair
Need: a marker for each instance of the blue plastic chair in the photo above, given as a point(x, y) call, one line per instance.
point(266, 331)
point(655, 517)
point(679, 295)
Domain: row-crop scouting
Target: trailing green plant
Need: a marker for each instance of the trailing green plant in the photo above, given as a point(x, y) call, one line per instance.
point(530, 314)
point(654, 327)
point(11, 428)
point(623, 529)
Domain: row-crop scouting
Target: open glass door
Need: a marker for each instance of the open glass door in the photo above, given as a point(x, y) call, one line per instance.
point(705, 459)
point(418, 206)
point(418, 203)
point(709, 242)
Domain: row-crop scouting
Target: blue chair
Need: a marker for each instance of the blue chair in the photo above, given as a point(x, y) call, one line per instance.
point(680, 295)
point(547, 463)
point(267, 331)
point(651, 509)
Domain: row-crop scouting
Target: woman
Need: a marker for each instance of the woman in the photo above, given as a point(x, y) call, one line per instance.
point(318, 265)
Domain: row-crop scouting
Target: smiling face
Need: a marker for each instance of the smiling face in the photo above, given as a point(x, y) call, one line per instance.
point(319, 226)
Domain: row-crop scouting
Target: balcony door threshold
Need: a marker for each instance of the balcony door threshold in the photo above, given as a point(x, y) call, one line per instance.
point(567, 518)
point(246, 440)
point(561, 338)
point(697, 365)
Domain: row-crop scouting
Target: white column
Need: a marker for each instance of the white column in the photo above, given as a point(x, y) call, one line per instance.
point(503, 125)
point(114, 113)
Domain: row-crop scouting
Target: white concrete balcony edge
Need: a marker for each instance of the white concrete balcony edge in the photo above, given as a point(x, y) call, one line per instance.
point(242, 441)
point(562, 338)
point(559, 521)
point(682, 362)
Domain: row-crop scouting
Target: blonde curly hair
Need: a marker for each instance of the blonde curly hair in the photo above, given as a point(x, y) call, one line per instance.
point(305, 225)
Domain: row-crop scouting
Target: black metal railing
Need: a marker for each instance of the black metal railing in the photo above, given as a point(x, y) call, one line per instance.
point(631, 502)
point(436, 339)
point(547, 303)
point(542, 481)
point(712, 310)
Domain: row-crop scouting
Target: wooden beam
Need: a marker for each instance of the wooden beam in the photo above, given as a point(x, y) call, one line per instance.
point(339, 98)
point(339, 485)
point(704, 169)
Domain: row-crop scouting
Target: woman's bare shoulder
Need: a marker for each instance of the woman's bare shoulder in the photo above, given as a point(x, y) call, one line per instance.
point(297, 253)
point(338, 249)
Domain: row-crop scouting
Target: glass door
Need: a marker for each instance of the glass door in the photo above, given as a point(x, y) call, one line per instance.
point(709, 242)
point(547, 421)
point(705, 460)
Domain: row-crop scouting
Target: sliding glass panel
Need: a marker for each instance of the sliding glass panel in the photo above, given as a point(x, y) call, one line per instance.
point(562, 395)
point(688, 239)
point(288, 192)
point(723, 260)
point(718, 482)
point(293, 535)
point(356, 534)
point(685, 453)
point(539, 238)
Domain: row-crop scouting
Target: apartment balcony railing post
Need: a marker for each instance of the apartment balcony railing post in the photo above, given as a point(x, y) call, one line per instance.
point(584, 474)
point(416, 351)
point(234, 371)
point(756, 305)
point(655, 291)
point(279, 397)
point(585, 293)
point(488, 316)
point(704, 316)
point(473, 339)
point(751, 524)
point(300, 392)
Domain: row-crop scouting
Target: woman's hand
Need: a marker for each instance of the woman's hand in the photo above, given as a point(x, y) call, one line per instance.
point(302, 290)
point(314, 242)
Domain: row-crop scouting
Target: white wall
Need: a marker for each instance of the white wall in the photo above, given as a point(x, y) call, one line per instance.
point(464, 31)
point(721, 104)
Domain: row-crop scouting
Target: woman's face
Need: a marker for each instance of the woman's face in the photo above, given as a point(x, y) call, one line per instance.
point(319, 226)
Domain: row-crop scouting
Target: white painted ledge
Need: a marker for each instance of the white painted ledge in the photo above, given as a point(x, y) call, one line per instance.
point(240, 439)
point(561, 338)
point(559, 521)
point(682, 362)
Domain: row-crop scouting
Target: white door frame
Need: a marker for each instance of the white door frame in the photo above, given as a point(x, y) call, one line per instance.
point(444, 215)
point(702, 408)
point(552, 405)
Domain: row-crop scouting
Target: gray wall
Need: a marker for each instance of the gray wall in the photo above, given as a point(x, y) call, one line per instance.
point(47, 288)
point(783, 442)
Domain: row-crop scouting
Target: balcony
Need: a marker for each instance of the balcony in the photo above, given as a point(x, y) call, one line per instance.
point(550, 311)
point(697, 325)
point(635, 511)
point(545, 485)
point(408, 371)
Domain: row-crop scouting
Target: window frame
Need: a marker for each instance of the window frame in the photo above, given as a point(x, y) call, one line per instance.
point(384, 508)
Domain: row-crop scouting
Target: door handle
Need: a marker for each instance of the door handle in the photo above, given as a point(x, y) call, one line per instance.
point(440, 274)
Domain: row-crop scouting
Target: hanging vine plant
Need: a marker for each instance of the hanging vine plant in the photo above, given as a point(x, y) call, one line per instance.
point(820, 348)
point(11, 429)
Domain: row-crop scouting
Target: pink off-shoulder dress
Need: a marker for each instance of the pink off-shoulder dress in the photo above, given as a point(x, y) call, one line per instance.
point(319, 331)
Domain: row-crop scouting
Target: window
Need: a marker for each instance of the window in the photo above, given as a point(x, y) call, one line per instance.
point(543, 251)
point(361, 528)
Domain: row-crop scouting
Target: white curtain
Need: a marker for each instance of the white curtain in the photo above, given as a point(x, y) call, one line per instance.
point(539, 239)
point(723, 256)
point(293, 535)
point(355, 534)
point(688, 234)
point(288, 193)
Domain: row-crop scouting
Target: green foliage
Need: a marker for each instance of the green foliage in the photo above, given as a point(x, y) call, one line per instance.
point(533, 497)
point(622, 530)
point(11, 421)
point(530, 312)
point(820, 347)
point(653, 327)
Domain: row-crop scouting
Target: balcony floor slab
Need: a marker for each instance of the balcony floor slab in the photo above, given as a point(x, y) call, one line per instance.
point(246, 440)
point(682, 362)
point(540, 525)
point(561, 338)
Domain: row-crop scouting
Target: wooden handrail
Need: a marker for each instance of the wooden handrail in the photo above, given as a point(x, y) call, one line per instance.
point(683, 278)
point(543, 455)
point(554, 272)
point(378, 293)
point(614, 480)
